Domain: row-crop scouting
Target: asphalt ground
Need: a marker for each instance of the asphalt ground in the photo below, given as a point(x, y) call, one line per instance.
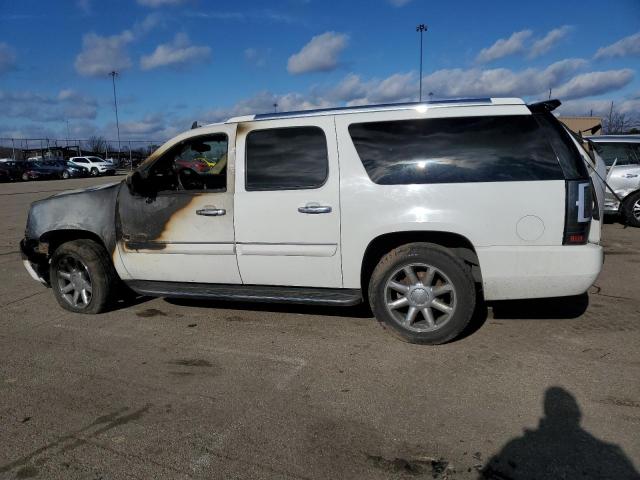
point(168, 389)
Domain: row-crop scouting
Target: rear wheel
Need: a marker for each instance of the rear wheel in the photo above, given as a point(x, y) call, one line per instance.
point(82, 276)
point(631, 209)
point(25, 177)
point(94, 172)
point(423, 293)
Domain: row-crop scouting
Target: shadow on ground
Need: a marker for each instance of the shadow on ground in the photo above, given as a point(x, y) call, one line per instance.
point(541, 308)
point(357, 311)
point(559, 448)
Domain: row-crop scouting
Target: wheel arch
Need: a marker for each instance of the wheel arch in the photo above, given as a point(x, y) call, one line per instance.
point(54, 238)
point(460, 245)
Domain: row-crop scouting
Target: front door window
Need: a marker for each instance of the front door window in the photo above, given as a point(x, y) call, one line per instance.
point(197, 164)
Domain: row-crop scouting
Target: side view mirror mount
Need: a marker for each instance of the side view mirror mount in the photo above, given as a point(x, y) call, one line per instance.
point(138, 185)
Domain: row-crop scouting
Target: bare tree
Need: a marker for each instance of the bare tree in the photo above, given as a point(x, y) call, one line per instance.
point(97, 144)
point(619, 123)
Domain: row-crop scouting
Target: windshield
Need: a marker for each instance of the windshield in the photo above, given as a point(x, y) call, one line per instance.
point(618, 152)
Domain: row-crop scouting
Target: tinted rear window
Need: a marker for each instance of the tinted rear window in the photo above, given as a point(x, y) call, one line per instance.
point(286, 158)
point(452, 150)
point(568, 155)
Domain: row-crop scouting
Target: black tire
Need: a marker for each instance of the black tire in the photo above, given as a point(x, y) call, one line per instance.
point(94, 172)
point(451, 270)
point(631, 209)
point(99, 270)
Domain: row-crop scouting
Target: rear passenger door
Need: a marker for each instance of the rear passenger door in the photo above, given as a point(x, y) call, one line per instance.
point(287, 203)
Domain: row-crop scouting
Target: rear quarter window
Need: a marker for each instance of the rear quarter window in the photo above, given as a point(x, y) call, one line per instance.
point(455, 150)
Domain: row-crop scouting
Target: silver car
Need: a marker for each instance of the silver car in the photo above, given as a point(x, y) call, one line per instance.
point(621, 153)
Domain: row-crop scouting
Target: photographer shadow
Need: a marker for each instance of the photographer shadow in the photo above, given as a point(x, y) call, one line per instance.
point(559, 448)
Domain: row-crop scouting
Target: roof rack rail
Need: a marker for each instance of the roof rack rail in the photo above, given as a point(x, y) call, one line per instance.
point(545, 106)
point(381, 106)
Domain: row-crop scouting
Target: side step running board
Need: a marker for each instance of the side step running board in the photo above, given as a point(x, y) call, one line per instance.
point(248, 293)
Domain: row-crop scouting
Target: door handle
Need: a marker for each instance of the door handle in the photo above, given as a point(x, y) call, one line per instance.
point(314, 208)
point(211, 212)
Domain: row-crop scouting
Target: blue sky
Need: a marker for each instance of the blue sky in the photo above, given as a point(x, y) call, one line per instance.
point(185, 60)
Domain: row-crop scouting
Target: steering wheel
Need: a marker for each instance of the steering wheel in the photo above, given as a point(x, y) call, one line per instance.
point(189, 180)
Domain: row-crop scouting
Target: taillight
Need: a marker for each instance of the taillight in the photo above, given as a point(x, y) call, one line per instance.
point(578, 212)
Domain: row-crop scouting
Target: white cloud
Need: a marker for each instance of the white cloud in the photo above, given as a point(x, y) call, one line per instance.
point(178, 53)
point(594, 83)
point(546, 43)
point(101, 55)
point(399, 3)
point(600, 108)
point(628, 46)
point(319, 55)
point(257, 56)
point(161, 3)
point(500, 81)
point(145, 126)
point(68, 104)
point(399, 87)
point(562, 76)
point(504, 47)
point(7, 57)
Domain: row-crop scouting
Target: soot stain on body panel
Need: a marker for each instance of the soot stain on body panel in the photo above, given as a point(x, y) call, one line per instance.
point(145, 222)
point(91, 210)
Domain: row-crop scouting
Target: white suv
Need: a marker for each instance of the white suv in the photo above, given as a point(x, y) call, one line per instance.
point(422, 210)
point(94, 165)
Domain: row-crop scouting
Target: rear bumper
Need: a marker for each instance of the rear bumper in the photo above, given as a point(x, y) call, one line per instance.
point(510, 273)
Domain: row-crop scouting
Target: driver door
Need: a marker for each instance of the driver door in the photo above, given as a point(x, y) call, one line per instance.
point(181, 229)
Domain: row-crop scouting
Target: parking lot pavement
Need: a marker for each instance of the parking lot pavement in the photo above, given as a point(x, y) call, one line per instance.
point(168, 389)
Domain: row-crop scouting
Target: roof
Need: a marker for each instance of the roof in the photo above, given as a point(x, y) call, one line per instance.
point(451, 102)
point(616, 138)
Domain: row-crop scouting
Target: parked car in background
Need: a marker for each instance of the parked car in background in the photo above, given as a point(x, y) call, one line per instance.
point(66, 169)
point(95, 165)
point(37, 170)
point(621, 154)
point(11, 170)
point(421, 209)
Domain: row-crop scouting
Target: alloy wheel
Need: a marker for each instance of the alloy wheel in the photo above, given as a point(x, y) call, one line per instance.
point(74, 282)
point(420, 297)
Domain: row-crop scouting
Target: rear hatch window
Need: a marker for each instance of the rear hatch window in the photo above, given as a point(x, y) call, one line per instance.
point(570, 160)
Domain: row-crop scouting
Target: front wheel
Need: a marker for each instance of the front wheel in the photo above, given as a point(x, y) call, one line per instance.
point(631, 209)
point(94, 172)
point(65, 175)
point(25, 177)
point(82, 276)
point(423, 293)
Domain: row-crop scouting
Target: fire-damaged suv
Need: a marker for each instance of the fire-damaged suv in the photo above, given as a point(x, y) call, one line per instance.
point(421, 209)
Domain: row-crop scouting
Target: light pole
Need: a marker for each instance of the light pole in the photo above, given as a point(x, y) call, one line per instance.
point(114, 74)
point(421, 28)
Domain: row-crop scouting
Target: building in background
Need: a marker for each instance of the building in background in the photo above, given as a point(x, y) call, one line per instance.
point(584, 125)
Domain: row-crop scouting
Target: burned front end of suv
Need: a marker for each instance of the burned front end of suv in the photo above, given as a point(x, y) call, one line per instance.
point(67, 216)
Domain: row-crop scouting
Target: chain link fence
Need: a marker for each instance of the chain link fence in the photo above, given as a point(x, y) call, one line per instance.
point(124, 154)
